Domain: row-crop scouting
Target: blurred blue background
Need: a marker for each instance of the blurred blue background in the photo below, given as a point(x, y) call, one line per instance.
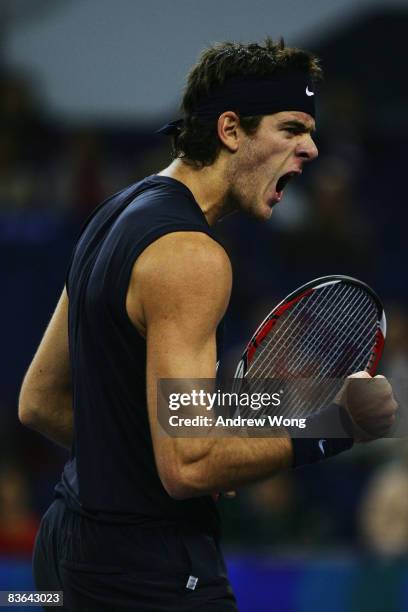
point(83, 87)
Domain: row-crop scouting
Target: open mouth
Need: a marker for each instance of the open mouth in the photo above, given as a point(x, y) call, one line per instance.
point(283, 181)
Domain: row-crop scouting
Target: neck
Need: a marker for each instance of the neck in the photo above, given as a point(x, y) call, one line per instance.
point(209, 186)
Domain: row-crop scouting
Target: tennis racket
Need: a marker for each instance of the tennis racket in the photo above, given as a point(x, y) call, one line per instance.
point(321, 333)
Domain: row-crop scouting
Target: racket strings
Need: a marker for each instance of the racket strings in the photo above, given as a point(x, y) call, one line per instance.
point(360, 346)
point(321, 339)
point(262, 357)
point(330, 390)
point(317, 342)
point(273, 375)
point(309, 319)
point(325, 335)
point(343, 339)
point(293, 332)
point(265, 364)
point(316, 331)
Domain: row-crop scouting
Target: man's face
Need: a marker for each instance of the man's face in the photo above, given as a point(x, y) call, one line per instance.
point(268, 159)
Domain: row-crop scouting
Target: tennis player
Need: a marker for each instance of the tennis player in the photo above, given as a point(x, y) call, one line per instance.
point(134, 526)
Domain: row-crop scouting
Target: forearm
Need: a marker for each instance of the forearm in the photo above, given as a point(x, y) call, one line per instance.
point(50, 416)
point(222, 464)
point(246, 460)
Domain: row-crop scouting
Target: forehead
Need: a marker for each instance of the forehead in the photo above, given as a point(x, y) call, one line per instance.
point(288, 116)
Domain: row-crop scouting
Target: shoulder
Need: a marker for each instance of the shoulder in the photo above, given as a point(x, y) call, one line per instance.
point(194, 254)
point(180, 272)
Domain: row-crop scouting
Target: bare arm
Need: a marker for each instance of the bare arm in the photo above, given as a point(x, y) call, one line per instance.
point(179, 291)
point(45, 402)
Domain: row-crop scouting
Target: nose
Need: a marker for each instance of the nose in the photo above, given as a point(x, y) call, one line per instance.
point(307, 148)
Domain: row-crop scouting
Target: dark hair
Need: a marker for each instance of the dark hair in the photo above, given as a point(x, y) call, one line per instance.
point(197, 143)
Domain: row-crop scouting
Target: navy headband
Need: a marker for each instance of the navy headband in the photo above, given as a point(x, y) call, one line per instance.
point(251, 97)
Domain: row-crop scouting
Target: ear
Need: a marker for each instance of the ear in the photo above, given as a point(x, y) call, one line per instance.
point(228, 130)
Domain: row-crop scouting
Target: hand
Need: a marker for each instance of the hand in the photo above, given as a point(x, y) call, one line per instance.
point(370, 403)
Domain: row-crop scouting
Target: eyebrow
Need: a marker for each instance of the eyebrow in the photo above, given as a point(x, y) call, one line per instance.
point(298, 125)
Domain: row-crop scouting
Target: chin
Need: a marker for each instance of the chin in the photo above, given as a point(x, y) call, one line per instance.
point(260, 210)
point(263, 212)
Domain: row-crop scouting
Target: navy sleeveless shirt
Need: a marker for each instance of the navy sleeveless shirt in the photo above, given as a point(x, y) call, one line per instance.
point(111, 474)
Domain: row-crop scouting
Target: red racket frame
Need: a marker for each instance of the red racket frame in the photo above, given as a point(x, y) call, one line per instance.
point(305, 290)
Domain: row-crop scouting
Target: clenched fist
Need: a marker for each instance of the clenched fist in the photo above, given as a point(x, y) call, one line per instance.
point(370, 403)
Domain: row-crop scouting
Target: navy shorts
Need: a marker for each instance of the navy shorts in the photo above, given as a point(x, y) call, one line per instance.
point(105, 567)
